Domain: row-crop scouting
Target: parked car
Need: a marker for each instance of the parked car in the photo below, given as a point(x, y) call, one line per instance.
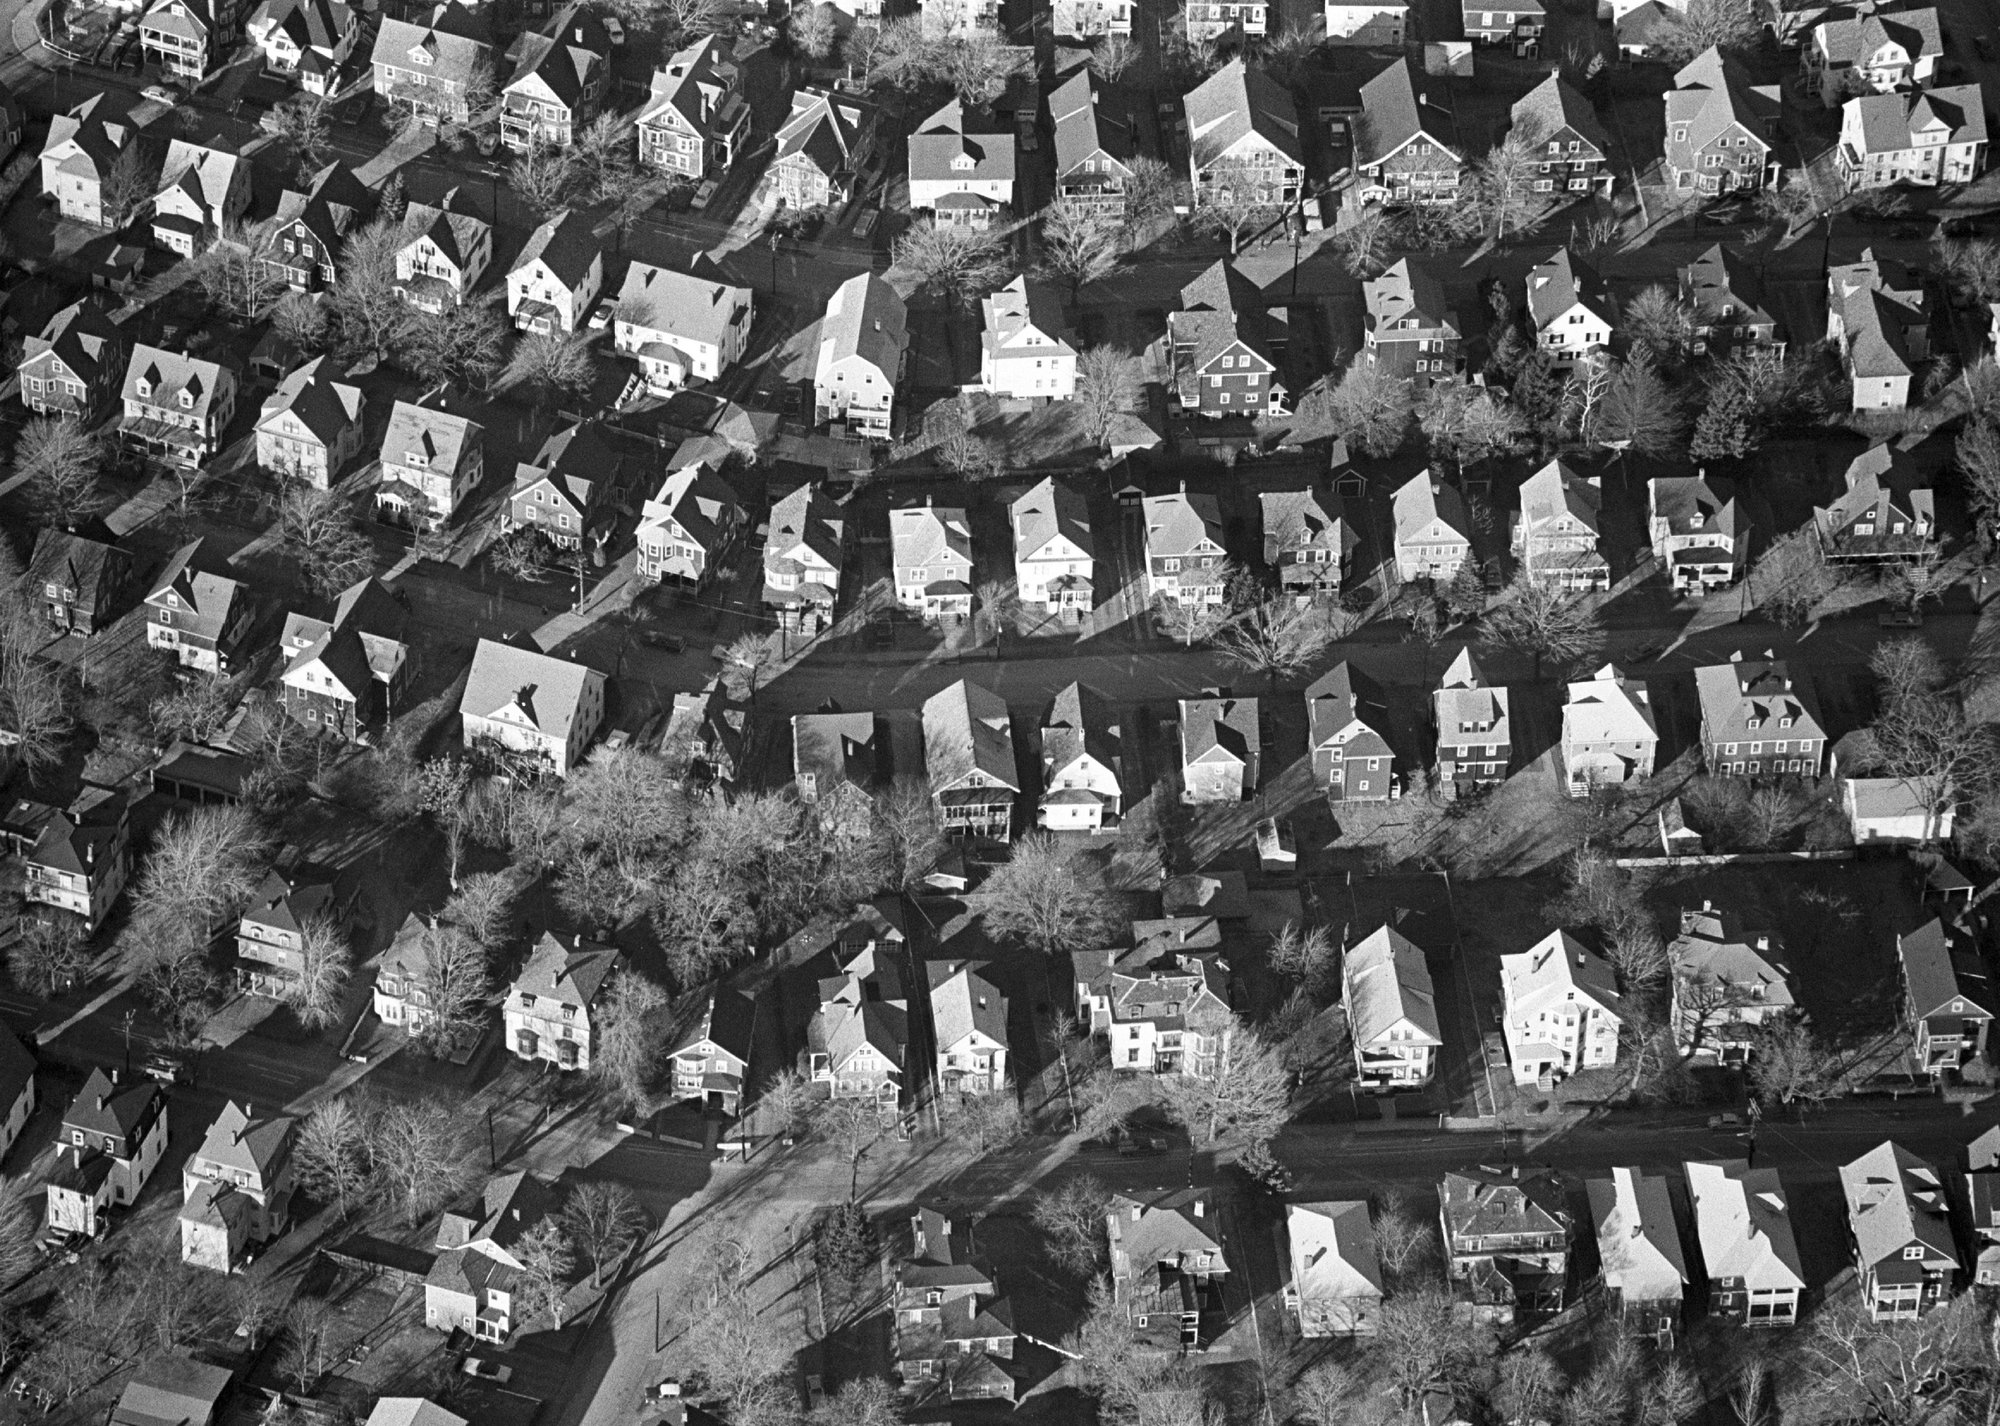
point(1142, 1146)
point(164, 1068)
point(865, 224)
point(660, 639)
point(1900, 619)
point(1725, 1121)
point(703, 194)
point(485, 1370)
point(1984, 44)
point(160, 94)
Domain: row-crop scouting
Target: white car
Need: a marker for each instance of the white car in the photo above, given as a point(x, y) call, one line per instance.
point(703, 194)
point(160, 94)
point(600, 318)
point(494, 1372)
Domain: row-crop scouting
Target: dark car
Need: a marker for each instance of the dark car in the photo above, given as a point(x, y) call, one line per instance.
point(1984, 44)
point(1142, 1146)
point(672, 643)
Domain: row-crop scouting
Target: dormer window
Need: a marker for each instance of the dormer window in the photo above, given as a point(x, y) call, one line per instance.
point(187, 401)
point(144, 388)
point(420, 55)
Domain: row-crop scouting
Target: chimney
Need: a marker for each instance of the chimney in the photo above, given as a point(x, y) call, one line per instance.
point(1136, 1211)
point(1200, 1209)
point(1763, 943)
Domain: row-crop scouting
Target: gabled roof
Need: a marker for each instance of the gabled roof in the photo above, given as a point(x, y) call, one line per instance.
point(1895, 1201)
point(1220, 309)
point(1849, 39)
point(103, 1107)
point(420, 435)
point(1637, 1239)
point(83, 338)
point(1882, 481)
point(825, 130)
point(1711, 93)
point(694, 309)
point(241, 1138)
point(1715, 944)
point(577, 462)
point(805, 517)
point(1333, 1250)
point(719, 1014)
point(920, 535)
point(171, 1390)
point(567, 970)
point(1078, 725)
point(411, 1411)
point(966, 731)
point(1941, 979)
point(1553, 106)
point(1408, 291)
point(1697, 505)
point(205, 600)
point(1180, 523)
point(942, 139)
point(1306, 519)
point(1234, 103)
point(316, 395)
point(1608, 707)
point(205, 174)
point(1557, 970)
point(965, 1003)
point(1421, 500)
point(1890, 123)
point(308, 24)
point(1025, 305)
point(1734, 693)
point(1344, 700)
point(165, 375)
point(456, 41)
point(835, 748)
point(1170, 1226)
point(98, 127)
point(1556, 491)
point(1560, 282)
point(1227, 725)
point(1092, 120)
point(865, 317)
point(1387, 982)
point(454, 234)
point(75, 561)
point(1045, 512)
point(1464, 697)
point(565, 244)
point(331, 205)
point(1396, 106)
point(684, 83)
point(75, 838)
point(1719, 279)
point(1743, 1221)
point(546, 689)
point(565, 57)
point(697, 499)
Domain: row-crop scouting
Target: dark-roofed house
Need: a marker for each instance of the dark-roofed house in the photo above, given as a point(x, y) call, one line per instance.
point(969, 759)
point(111, 1140)
point(1347, 718)
point(79, 862)
point(1888, 513)
point(310, 426)
point(1221, 749)
point(710, 1050)
point(203, 191)
point(1916, 140)
point(551, 1007)
point(1223, 355)
point(76, 363)
point(237, 1187)
point(441, 254)
point(687, 524)
point(1511, 22)
point(558, 83)
point(477, 1275)
point(1475, 734)
point(1433, 532)
point(309, 39)
point(1758, 719)
point(1982, 1184)
point(1569, 307)
point(411, 965)
point(1054, 553)
point(1162, 1005)
point(431, 460)
point(77, 157)
point(1865, 49)
point(188, 38)
point(569, 492)
point(1947, 1002)
point(313, 224)
point(952, 1327)
point(17, 1089)
point(173, 1390)
point(1638, 30)
point(1700, 529)
point(200, 617)
point(1081, 764)
point(1728, 305)
point(348, 671)
point(1719, 128)
point(1556, 538)
point(961, 174)
point(1875, 310)
point(81, 584)
point(862, 341)
point(1729, 983)
point(1367, 24)
point(532, 705)
point(271, 932)
point(1334, 1284)
point(1167, 1264)
point(1391, 1007)
point(1409, 331)
point(1743, 1222)
point(435, 65)
point(1900, 1222)
point(858, 1040)
point(176, 406)
point(1639, 1245)
point(696, 119)
point(1506, 1240)
point(1094, 142)
point(556, 279)
point(1405, 143)
point(835, 763)
point(969, 1028)
point(802, 558)
point(1243, 138)
point(1571, 150)
point(1307, 540)
point(822, 148)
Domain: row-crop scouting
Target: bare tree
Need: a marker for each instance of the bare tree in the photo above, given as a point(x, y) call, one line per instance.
point(325, 963)
point(544, 175)
point(734, 1350)
point(61, 461)
point(1245, 1097)
point(1370, 408)
point(1466, 424)
point(1080, 242)
point(1530, 1387)
point(554, 364)
point(854, 1126)
point(546, 1263)
point(331, 1153)
point(1918, 576)
point(1232, 203)
point(631, 1041)
point(453, 978)
point(203, 869)
point(48, 956)
point(603, 1219)
point(1639, 413)
point(1792, 1066)
point(812, 32)
point(195, 708)
point(18, 1226)
point(483, 905)
point(421, 1155)
point(1404, 1242)
point(1281, 637)
point(1909, 1373)
point(1545, 622)
point(1423, 1347)
point(302, 124)
point(753, 655)
point(1107, 386)
point(316, 529)
point(35, 704)
point(126, 187)
point(785, 1099)
point(371, 313)
point(1111, 56)
point(1978, 459)
point(1071, 1219)
point(1303, 954)
point(864, 1401)
point(308, 1348)
point(1660, 324)
point(1704, 24)
point(1367, 245)
point(1051, 894)
point(1151, 191)
point(1503, 185)
point(951, 260)
point(1792, 577)
point(460, 345)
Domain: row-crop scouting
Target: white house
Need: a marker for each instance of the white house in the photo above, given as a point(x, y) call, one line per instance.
point(532, 704)
point(1569, 307)
point(1729, 983)
point(687, 523)
point(1080, 764)
point(1335, 1284)
point(310, 427)
point(1053, 550)
point(930, 549)
point(1433, 530)
point(1371, 24)
point(1743, 1223)
point(862, 340)
point(802, 557)
point(969, 1017)
point(964, 179)
point(1391, 1004)
point(443, 254)
point(1184, 551)
point(1895, 809)
point(679, 327)
point(203, 193)
point(1559, 1005)
point(1639, 1246)
point(557, 277)
point(1022, 354)
point(1609, 736)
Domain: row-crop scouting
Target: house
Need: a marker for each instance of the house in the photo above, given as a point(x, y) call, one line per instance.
point(858, 1040)
point(203, 194)
point(1367, 24)
point(836, 761)
point(349, 672)
point(1054, 554)
point(1700, 530)
point(555, 281)
point(1346, 716)
point(1639, 1245)
point(75, 365)
point(1570, 147)
point(1408, 330)
point(200, 617)
point(188, 38)
point(695, 120)
point(1569, 307)
point(310, 427)
point(1922, 140)
point(709, 1054)
point(1556, 538)
point(1243, 132)
point(438, 66)
point(82, 584)
point(176, 406)
point(1519, 24)
point(1900, 1223)
point(1743, 1223)
point(477, 1275)
point(1334, 1287)
point(310, 40)
point(930, 553)
point(411, 1411)
point(17, 1089)
point(173, 1388)
point(1875, 311)
point(407, 974)
point(1022, 354)
point(1720, 128)
point(1307, 540)
point(1475, 746)
point(1405, 142)
point(1392, 1016)
point(1094, 144)
point(823, 148)
point(1162, 1005)
point(431, 460)
point(862, 340)
point(530, 706)
point(313, 224)
point(1609, 736)
point(1433, 533)
point(237, 1187)
point(688, 524)
point(272, 929)
point(963, 177)
point(1982, 1183)
point(1221, 749)
point(1185, 561)
point(969, 1028)
point(951, 1328)
point(1946, 1001)
point(1864, 51)
point(1506, 1240)
point(1888, 513)
point(1728, 305)
point(1224, 359)
point(111, 1140)
point(1639, 30)
point(559, 82)
point(1757, 720)
point(90, 143)
point(1729, 983)
point(568, 494)
point(969, 759)
point(80, 859)
point(1895, 809)
point(1089, 19)
point(1167, 1265)
point(1081, 764)
point(802, 559)
point(959, 19)
point(549, 1009)
point(443, 252)
point(1561, 1010)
